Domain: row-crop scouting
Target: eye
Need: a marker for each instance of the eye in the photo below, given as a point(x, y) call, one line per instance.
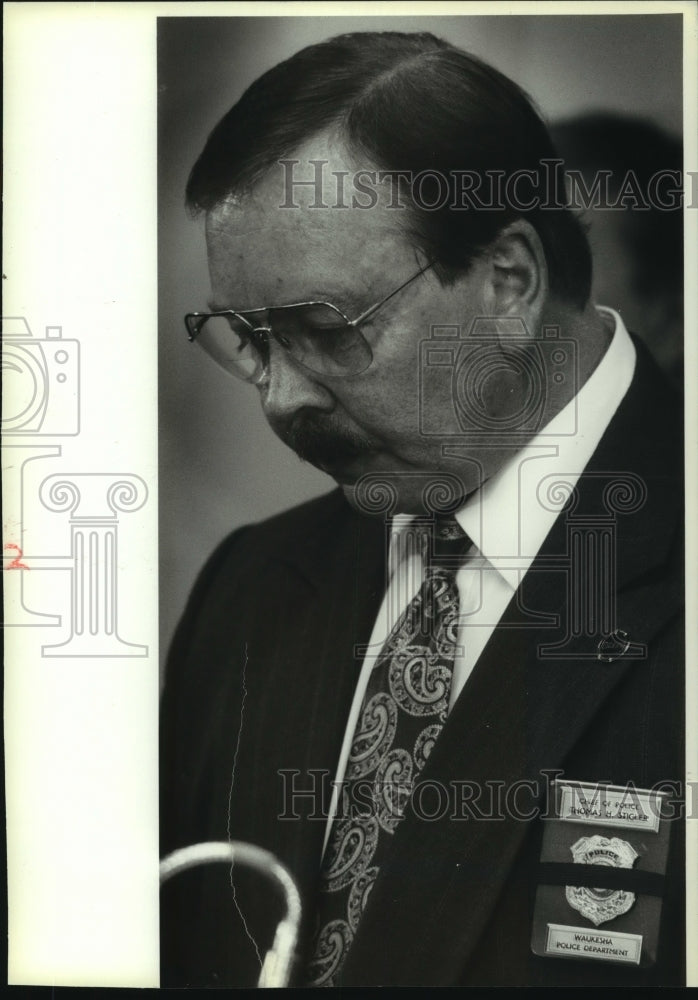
point(314, 318)
point(326, 323)
point(342, 338)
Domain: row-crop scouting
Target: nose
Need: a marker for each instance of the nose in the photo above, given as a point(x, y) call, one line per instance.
point(287, 387)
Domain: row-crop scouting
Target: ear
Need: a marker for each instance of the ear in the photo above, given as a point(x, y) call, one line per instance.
point(517, 282)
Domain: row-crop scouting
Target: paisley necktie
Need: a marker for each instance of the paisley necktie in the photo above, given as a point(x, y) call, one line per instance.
point(403, 711)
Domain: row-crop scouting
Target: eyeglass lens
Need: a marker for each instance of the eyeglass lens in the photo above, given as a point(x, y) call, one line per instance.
point(317, 336)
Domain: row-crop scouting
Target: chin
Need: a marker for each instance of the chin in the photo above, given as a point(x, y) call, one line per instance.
point(384, 494)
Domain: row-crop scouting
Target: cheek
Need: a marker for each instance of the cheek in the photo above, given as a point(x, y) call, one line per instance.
point(388, 403)
point(395, 395)
point(501, 393)
point(385, 413)
point(397, 354)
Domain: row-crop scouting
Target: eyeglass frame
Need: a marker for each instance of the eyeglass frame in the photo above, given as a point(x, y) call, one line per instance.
point(279, 338)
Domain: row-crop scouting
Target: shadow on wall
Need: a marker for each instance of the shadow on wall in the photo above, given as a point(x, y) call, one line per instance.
point(635, 225)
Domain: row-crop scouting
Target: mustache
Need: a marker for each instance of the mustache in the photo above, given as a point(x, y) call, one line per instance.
point(320, 440)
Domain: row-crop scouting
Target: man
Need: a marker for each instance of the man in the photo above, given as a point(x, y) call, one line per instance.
point(399, 723)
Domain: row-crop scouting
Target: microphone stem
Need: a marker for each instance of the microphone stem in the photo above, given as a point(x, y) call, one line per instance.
point(276, 968)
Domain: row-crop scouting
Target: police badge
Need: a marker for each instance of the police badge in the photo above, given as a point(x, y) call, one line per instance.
point(601, 905)
point(589, 875)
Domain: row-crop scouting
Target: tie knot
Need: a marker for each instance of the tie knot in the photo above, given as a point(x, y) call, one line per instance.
point(447, 529)
point(445, 543)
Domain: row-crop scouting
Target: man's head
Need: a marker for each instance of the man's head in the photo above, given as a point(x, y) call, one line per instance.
point(401, 127)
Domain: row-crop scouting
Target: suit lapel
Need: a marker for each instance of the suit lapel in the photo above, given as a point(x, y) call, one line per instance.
point(519, 715)
point(268, 671)
point(299, 692)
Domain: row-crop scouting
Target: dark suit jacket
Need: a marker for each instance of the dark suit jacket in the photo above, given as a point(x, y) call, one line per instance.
point(259, 684)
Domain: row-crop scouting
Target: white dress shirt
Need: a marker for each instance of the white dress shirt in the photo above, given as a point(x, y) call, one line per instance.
point(507, 523)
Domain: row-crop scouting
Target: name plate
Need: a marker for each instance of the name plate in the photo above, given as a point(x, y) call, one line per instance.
point(627, 808)
point(580, 942)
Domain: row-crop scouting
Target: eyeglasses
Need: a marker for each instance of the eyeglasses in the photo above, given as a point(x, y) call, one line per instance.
point(317, 335)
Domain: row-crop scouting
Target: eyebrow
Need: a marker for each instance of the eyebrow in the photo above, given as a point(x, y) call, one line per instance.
point(217, 307)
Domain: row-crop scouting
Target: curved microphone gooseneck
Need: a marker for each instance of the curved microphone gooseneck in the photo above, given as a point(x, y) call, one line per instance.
point(276, 968)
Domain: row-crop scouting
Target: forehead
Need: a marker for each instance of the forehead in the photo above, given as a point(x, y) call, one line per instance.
point(277, 244)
